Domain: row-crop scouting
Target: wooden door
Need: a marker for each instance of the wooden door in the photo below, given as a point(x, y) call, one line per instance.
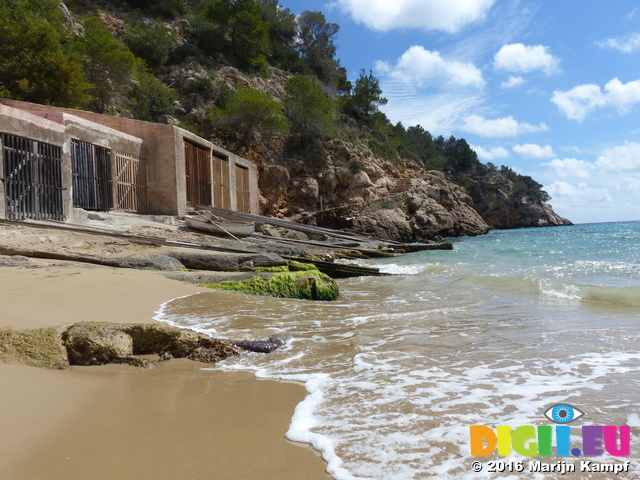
point(243, 194)
point(198, 173)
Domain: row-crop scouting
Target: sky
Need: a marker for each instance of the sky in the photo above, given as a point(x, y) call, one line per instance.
point(548, 88)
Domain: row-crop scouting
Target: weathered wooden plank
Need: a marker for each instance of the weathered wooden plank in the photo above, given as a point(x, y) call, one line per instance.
point(230, 214)
point(339, 270)
point(366, 252)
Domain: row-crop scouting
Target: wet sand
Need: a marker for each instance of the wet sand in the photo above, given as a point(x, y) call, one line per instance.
point(173, 421)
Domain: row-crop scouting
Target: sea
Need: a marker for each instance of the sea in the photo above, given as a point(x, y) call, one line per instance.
point(494, 333)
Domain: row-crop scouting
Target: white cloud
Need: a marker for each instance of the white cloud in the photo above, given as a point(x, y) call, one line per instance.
point(385, 15)
point(420, 66)
point(531, 150)
point(500, 127)
point(491, 153)
point(520, 58)
point(438, 112)
point(627, 44)
point(579, 194)
point(581, 100)
point(512, 82)
point(622, 96)
point(570, 168)
point(623, 159)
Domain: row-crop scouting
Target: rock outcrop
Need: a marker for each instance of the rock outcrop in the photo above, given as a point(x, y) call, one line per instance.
point(352, 189)
point(95, 343)
point(431, 208)
point(502, 207)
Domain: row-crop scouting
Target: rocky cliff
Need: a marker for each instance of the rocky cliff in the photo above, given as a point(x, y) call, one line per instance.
point(350, 188)
point(501, 206)
point(353, 190)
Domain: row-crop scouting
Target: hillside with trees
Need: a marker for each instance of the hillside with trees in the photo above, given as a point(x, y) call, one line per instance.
point(257, 79)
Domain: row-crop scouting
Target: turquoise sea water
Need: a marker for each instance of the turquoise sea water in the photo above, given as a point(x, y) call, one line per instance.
point(492, 333)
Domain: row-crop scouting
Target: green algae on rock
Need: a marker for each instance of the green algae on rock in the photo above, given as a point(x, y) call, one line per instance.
point(305, 285)
point(294, 266)
point(278, 268)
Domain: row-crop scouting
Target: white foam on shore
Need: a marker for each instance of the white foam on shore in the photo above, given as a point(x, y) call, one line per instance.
point(304, 421)
point(191, 323)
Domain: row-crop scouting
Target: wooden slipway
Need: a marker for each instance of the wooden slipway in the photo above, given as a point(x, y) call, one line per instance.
point(230, 214)
point(386, 249)
point(332, 269)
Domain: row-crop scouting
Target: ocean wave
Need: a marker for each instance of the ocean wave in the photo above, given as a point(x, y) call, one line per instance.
point(551, 288)
point(628, 296)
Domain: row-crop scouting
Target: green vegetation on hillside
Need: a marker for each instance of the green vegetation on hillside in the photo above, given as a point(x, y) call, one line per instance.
point(121, 57)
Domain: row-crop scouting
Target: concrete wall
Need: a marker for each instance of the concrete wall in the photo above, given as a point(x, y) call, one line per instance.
point(234, 159)
point(90, 132)
point(163, 149)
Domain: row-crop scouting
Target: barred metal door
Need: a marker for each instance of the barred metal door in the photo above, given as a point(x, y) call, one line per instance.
point(198, 172)
point(92, 181)
point(131, 183)
point(32, 179)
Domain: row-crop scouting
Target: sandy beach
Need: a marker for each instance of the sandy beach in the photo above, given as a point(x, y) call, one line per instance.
point(173, 421)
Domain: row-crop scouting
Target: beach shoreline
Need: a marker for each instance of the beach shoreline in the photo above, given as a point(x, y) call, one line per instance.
point(116, 421)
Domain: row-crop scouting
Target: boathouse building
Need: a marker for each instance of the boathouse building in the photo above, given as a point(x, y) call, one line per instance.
point(57, 160)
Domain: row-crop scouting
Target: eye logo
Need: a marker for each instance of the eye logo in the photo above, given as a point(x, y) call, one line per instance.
point(562, 413)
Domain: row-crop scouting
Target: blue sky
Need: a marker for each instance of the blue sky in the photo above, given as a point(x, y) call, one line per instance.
point(551, 89)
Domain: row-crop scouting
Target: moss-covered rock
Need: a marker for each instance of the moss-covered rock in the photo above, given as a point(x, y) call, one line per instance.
point(42, 347)
point(90, 343)
point(96, 343)
point(300, 266)
point(275, 269)
point(305, 285)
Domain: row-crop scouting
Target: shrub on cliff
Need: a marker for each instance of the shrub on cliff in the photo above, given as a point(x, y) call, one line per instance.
point(109, 64)
point(236, 30)
point(37, 64)
point(152, 42)
point(309, 111)
point(150, 98)
point(365, 99)
point(249, 112)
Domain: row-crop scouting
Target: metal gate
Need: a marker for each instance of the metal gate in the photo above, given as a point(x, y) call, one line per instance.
point(198, 172)
point(243, 194)
point(92, 181)
point(131, 183)
point(32, 179)
point(221, 180)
